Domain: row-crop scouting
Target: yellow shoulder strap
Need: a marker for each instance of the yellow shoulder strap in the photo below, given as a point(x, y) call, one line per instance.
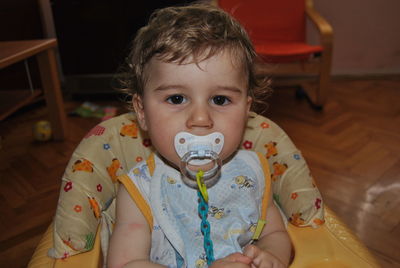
point(267, 190)
point(266, 197)
point(137, 198)
point(135, 193)
point(151, 164)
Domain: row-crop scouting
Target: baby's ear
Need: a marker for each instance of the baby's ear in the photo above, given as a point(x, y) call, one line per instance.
point(249, 103)
point(137, 102)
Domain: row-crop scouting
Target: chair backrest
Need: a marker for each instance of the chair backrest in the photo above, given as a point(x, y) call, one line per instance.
point(277, 20)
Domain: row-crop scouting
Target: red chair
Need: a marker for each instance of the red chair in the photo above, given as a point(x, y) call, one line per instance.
point(278, 32)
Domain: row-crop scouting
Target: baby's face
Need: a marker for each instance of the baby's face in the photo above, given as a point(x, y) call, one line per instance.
point(202, 98)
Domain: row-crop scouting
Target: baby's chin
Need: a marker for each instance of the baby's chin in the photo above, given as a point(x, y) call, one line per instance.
point(204, 168)
point(175, 162)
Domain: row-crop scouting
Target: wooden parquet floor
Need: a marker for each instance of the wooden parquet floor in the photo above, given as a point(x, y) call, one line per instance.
point(352, 148)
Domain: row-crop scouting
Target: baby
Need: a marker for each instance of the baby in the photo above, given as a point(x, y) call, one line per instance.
point(198, 201)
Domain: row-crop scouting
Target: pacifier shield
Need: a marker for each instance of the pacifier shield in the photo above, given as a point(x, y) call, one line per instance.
point(197, 151)
point(185, 142)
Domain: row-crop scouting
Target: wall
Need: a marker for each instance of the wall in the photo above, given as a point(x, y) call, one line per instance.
point(366, 41)
point(366, 35)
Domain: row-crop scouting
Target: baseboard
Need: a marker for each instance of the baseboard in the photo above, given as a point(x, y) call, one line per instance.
point(90, 84)
point(100, 84)
point(366, 76)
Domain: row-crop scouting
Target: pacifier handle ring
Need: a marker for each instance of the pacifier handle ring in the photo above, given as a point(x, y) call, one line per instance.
point(210, 177)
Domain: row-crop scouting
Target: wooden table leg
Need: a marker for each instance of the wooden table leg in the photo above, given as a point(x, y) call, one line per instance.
point(52, 91)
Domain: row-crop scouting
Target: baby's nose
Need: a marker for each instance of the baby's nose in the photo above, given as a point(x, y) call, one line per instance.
point(200, 117)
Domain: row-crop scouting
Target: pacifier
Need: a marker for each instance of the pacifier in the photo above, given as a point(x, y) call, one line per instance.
point(198, 151)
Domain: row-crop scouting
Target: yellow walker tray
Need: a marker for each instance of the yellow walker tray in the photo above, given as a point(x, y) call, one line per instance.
point(332, 245)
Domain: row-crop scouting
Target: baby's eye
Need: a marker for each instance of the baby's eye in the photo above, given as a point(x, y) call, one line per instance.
point(221, 100)
point(176, 99)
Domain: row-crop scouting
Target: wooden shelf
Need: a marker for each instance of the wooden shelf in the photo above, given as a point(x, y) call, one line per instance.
point(14, 51)
point(12, 100)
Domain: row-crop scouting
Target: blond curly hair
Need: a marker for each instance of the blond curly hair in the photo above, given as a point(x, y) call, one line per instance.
point(194, 32)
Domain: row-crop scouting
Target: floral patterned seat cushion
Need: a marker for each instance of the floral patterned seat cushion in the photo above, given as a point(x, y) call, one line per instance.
point(114, 146)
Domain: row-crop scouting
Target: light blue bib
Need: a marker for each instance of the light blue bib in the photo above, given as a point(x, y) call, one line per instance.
point(234, 209)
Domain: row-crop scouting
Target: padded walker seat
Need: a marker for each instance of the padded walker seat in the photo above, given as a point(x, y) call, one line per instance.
point(79, 234)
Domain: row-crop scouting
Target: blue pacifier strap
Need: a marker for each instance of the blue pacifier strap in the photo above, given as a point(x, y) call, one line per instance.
point(205, 224)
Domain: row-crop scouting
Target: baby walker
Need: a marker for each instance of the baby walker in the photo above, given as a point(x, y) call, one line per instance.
point(332, 244)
